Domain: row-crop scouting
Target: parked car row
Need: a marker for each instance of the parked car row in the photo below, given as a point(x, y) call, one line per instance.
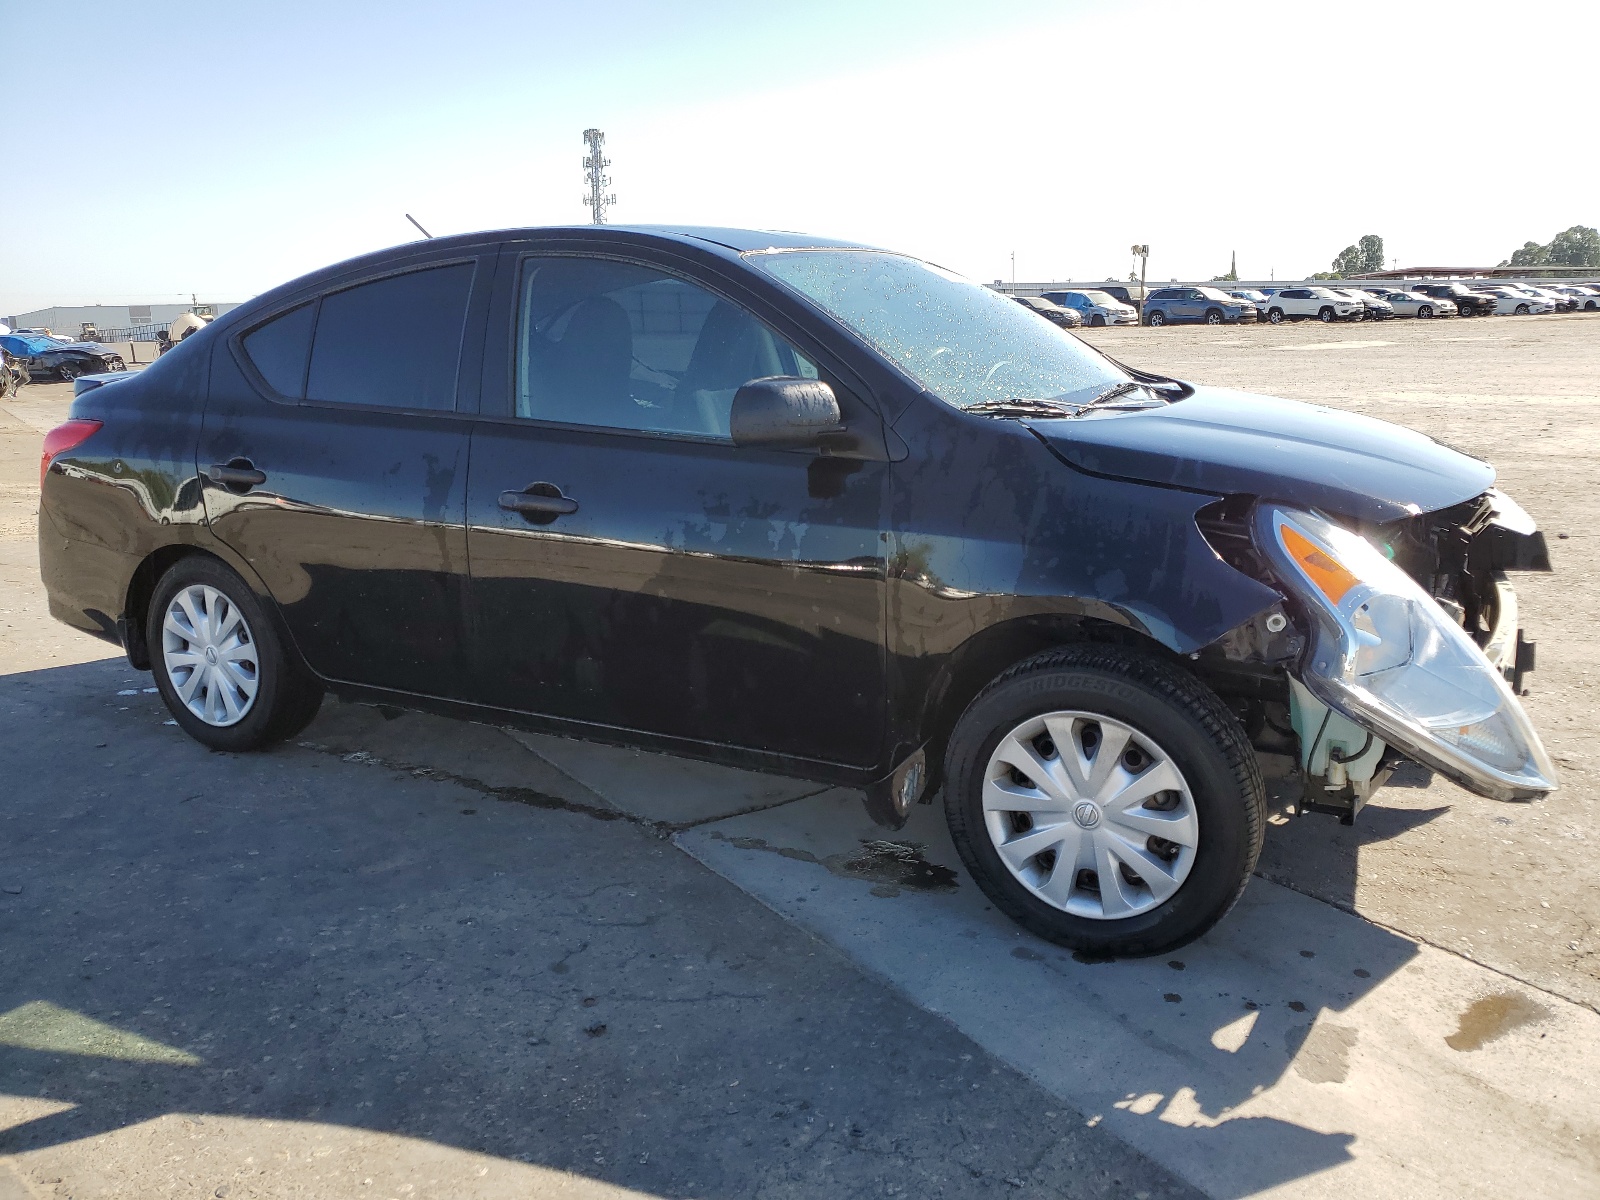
point(1207, 305)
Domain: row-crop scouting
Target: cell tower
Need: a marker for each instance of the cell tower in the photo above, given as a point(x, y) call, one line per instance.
point(594, 165)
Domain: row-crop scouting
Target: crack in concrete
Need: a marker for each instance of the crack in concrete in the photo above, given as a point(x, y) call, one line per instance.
point(533, 798)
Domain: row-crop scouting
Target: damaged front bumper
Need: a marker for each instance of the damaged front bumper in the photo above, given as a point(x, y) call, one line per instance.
point(1393, 665)
point(1394, 642)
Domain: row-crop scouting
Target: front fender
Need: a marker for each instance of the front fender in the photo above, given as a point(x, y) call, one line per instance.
point(989, 530)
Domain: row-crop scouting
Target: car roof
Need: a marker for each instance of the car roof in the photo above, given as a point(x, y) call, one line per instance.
point(737, 240)
point(722, 241)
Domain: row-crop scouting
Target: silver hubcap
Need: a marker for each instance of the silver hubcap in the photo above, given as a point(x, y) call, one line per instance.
point(210, 655)
point(1090, 815)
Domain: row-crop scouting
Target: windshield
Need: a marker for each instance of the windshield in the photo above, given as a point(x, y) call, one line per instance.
point(964, 343)
point(1211, 293)
point(1103, 299)
point(1322, 294)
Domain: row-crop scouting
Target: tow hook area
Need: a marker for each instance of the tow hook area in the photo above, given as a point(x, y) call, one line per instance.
point(1341, 763)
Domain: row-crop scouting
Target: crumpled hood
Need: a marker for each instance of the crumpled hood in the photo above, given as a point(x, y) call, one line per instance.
point(1229, 442)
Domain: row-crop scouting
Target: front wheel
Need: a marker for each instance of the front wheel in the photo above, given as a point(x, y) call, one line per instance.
point(68, 372)
point(1325, 315)
point(1522, 310)
point(1158, 318)
point(1275, 316)
point(1105, 800)
point(219, 662)
point(1425, 310)
point(1097, 321)
point(1213, 317)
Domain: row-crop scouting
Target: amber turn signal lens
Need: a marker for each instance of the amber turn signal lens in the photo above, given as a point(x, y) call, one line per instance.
point(1330, 576)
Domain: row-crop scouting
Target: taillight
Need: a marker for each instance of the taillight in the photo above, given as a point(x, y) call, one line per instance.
point(63, 438)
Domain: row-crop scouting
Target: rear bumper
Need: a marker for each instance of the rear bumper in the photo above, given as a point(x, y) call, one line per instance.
point(86, 583)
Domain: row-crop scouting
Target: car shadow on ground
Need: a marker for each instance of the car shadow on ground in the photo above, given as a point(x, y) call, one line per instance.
point(1313, 853)
point(299, 937)
point(336, 939)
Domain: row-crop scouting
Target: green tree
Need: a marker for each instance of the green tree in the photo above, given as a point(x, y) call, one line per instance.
point(1531, 255)
point(1576, 247)
point(1371, 250)
point(1348, 262)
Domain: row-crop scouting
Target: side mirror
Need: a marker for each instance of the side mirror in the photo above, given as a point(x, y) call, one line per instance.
point(780, 411)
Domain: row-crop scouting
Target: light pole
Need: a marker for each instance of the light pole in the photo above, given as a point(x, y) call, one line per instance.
point(1142, 253)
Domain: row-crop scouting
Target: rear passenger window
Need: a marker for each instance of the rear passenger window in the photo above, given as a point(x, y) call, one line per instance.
point(395, 342)
point(279, 350)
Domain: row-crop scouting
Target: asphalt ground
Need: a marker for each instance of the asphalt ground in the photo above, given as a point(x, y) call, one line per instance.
point(414, 957)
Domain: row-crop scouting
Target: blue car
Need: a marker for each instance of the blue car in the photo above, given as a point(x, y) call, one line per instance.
point(48, 357)
point(1206, 305)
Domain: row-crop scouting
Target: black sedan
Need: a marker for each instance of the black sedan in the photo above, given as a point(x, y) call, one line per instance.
point(811, 508)
point(1056, 314)
point(49, 357)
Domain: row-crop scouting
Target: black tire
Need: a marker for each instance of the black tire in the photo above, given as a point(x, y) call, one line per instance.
point(286, 699)
point(1275, 316)
point(1097, 321)
point(1522, 310)
point(1157, 318)
point(1199, 733)
point(1325, 314)
point(1424, 310)
point(1213, 317)
point(68, 372)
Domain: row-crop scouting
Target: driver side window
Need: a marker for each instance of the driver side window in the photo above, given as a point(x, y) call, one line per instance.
point(624, 346)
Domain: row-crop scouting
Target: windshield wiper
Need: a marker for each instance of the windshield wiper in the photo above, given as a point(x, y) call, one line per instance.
point(1023, 407)
point(1118, 390)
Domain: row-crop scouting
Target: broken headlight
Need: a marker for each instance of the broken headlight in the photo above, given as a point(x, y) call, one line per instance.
point(1385, 655)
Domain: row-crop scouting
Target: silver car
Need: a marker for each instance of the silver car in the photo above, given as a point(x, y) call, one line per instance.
point(1415, 304)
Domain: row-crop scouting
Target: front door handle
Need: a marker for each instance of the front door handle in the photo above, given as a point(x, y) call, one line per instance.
point(542, 502)
point(237, 473)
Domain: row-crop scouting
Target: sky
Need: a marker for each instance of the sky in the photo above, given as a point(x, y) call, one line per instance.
point(218, 150)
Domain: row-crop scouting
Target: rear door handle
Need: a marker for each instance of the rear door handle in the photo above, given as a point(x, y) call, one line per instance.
point(539, 501)
point(237, 473)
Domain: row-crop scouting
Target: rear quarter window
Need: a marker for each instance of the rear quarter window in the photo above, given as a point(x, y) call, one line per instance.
point(279, 349)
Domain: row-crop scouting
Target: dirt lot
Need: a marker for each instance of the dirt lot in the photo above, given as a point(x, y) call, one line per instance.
point(1514, 887)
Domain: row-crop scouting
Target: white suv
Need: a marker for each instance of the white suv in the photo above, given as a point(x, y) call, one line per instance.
point(1297, 302)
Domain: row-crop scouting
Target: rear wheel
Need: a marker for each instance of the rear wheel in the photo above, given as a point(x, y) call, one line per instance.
point(1158, 318)
point(1105, 800)
point(219, 662)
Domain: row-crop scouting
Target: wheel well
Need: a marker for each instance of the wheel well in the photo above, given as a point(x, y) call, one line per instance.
point(985, 656)
point(136, 609)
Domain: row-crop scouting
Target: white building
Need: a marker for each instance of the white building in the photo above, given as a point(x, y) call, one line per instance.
point(71, 321)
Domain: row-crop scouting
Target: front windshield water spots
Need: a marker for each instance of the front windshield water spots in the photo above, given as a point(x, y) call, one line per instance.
point(964, 343)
